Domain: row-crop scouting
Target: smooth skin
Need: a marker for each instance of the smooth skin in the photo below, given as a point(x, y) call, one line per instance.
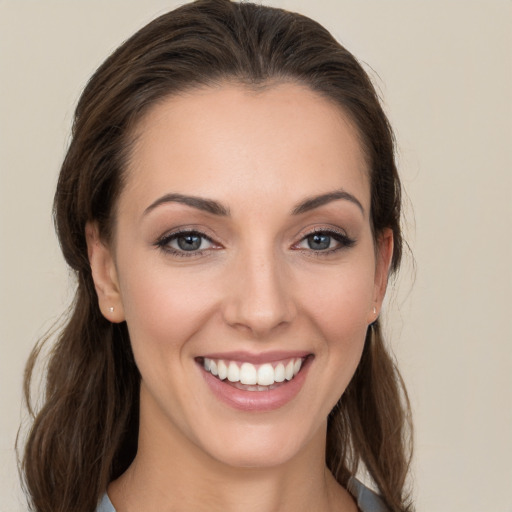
point(258, 276)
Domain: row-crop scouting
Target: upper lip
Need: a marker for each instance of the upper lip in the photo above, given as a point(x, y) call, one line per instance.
point(258, 358)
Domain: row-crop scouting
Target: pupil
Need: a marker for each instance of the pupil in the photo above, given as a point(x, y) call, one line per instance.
point(189, 242)
point(319, 241)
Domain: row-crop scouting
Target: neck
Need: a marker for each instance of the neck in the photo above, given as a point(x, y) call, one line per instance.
point(171, 473)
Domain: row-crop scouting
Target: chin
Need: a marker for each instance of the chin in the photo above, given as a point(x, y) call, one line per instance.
point(262, 446)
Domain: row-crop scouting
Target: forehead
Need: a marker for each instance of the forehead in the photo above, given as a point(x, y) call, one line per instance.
point(231, 142)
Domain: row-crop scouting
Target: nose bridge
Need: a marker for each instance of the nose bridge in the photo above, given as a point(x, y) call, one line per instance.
point(260, 297)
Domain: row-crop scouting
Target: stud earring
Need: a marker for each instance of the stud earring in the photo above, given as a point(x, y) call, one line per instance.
point(111, 309)
point(374, 310)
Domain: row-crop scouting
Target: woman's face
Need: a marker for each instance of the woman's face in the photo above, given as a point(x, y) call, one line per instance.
point(243, 244)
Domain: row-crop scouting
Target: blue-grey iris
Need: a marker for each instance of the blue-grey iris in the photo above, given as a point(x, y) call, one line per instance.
point(189, 242)
point(319, 241)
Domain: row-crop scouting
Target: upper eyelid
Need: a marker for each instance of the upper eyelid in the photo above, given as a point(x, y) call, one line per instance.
point(346, 239)
point(186, 233)
point(322, 229)
point(175, 233)
point(163, 243)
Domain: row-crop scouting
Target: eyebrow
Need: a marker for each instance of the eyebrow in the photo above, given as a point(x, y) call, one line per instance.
point(206, 205)
point(216, 208)
point(316, 201)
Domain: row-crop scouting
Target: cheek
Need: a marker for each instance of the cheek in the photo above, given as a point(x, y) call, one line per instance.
point(163, 309)
point(339, 311)
point(340, 301)
point(342, 324)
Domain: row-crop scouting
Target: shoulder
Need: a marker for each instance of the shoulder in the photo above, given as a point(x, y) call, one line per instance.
point(367, 500)
point(105, 505)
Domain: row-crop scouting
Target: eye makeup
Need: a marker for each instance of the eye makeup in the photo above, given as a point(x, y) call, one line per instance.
point(186, 243)
point(323, 242)
point(195, 243)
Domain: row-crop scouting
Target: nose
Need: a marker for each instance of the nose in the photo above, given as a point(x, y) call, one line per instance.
point(260, 295)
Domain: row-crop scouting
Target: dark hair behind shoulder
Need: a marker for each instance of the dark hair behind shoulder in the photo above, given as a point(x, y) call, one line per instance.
point(85, 434)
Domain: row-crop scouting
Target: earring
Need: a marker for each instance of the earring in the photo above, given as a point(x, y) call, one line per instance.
point(111, 309)
point(374, 310)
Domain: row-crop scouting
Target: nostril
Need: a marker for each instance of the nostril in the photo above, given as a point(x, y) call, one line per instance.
point(257, 299)
point(259, 320)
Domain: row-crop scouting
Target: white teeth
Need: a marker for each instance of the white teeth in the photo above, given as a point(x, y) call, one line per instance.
point(296, 366)
point(233, 372)
point(288, 371)
point(248, 374)
point(279, 372)
point(265, 375)
point(222, 369)
point(259, 378)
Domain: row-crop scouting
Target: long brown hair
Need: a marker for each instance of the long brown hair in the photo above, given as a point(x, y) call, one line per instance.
point(85, 433)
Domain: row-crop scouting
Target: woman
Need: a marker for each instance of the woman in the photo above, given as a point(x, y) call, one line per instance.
point(230, 205)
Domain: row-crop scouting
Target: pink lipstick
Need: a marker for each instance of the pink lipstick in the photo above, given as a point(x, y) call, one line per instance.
point(256, 383)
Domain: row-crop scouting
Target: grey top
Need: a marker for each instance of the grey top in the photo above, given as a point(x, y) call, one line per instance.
point(105, 505)
point(366, 499)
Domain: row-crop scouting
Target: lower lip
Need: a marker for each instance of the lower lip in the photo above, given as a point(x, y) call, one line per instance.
point(257, 401)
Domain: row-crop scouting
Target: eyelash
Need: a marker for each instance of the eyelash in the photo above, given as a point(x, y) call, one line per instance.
point(163, 243)
point(344, 241)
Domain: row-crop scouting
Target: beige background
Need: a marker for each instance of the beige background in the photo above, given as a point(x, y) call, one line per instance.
point(444, 69)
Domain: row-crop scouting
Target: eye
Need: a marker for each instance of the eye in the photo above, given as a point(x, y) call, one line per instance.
point(183, 242)
point(325, 241)
point(188, 242)
point(319, 241)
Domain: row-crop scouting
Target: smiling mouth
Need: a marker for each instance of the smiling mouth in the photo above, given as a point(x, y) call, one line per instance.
point(254, 377)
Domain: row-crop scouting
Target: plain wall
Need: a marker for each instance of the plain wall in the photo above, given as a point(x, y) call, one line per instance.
point(444, 71)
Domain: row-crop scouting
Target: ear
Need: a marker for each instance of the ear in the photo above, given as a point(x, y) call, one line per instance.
point(384, 254)
point(104, 274)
